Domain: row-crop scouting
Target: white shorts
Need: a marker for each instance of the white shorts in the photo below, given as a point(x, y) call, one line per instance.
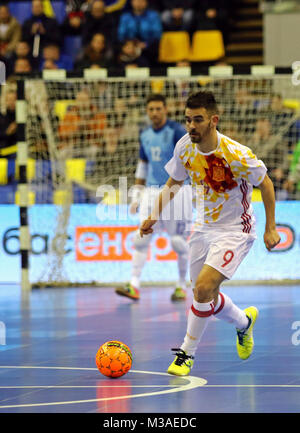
point(176, 217)
point(222, 251)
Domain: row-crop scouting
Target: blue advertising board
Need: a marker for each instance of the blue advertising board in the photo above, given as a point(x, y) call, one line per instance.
point(99, 246)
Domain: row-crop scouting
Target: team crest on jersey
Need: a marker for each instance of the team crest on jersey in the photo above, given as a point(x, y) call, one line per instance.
point(218, 174)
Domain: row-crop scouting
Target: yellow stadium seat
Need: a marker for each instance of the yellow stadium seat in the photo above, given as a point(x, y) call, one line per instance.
point(75, 169)
point(174, 47)
point(3, 171)
point(60, 107)
point(207, 45)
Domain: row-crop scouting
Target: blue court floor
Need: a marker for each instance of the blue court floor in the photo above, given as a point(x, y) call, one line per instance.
point(51, 336)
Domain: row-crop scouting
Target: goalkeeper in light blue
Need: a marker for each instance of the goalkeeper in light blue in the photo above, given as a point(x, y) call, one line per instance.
point(157, 143)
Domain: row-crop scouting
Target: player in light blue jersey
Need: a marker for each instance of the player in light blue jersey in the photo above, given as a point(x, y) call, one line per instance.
point(157, 143)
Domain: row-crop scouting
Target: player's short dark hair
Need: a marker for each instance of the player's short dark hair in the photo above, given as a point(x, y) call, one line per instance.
point(203, 99)
point(156, 97)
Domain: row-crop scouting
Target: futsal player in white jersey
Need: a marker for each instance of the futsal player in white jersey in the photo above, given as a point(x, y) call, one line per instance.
point(222, 172)
point(157, 143)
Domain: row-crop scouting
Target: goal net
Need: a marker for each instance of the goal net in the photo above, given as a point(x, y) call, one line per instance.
point(83, 134)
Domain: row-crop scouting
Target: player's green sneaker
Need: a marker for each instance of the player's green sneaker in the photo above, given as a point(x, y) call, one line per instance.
point(178, 295)
point(129, 291)
point(182, 364)
point(244, 340)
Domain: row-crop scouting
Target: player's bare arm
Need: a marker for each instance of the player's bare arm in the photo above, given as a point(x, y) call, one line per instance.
point(140, 182)
point(271, 236)
point(168, 192)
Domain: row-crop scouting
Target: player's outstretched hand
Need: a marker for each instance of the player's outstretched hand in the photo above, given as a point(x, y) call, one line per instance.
point(271, 239)
point(146, 227)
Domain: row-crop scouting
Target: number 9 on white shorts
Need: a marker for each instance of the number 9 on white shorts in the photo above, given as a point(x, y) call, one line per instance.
point(222, 251)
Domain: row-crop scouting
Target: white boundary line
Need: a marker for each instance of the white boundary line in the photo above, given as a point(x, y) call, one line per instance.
point(139, 386)
point(193, 382)
point(85, 387)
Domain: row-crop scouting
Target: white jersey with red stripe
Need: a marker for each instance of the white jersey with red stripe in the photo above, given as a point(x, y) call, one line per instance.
point(222, 182)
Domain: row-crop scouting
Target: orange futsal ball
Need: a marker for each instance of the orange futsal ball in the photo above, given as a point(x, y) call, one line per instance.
point(113, 359)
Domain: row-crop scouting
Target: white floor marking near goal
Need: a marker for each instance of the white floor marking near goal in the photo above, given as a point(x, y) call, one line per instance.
point(193, 382)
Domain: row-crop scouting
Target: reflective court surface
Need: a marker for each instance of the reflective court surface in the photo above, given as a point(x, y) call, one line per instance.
point(49, 339)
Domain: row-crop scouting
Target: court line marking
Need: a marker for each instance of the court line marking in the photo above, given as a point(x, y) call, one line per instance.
point(193, 382)
point(140, 386)
point(47, 368)
point(252, 386)
point(87, 386)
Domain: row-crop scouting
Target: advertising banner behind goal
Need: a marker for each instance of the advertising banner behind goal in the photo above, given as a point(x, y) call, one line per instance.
point(100, 253)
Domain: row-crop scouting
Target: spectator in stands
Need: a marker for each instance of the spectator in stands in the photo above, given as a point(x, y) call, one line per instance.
point(177, 15)
point(284, 121)
point(53, 59)
point(231, 129)
point(8, 126)
point(213, 15)
point(86, 5)
point(279, 115)
point(262, 135)
point(81, 128)
point(120, 112)
point(78, 5)
point(292, 183)
point(272, 151)
point(73, 23)
point(22, 51)
point(95, 53)
point(131, 55)
point(40, 30)
point(144, 25)
point(10, 32)
point(110, 139)
point(117, 149)
point(22, 66)
point(97, 21)
point(105, 95)
point(276, 103)
point(242, 109)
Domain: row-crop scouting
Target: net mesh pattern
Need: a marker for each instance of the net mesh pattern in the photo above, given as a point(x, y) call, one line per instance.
point(85, 133)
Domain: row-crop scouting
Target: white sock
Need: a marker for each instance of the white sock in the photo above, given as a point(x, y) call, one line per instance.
point(198, 318)
point(138, 261)
point(226, 310)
